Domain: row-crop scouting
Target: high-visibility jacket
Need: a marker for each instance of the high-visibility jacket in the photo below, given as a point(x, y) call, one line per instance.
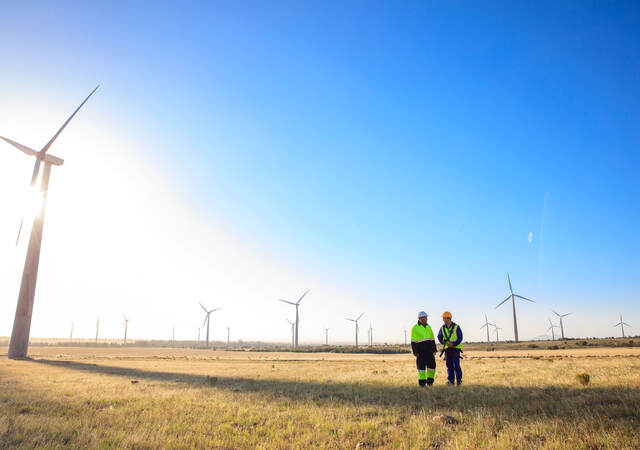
point(453, 334)
point(422, 340)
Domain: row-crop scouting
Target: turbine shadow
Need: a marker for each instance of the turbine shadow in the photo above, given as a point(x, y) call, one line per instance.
point(504, 401)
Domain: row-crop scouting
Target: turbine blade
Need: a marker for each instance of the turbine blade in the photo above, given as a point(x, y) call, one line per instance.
point(360, 316)
point(509, 279)
point(286, 301)
point(298, 302)
point(502, 302)
point(556, 313)
point(217, 309)
point(205, 309)
point(23, 148)
point(46, 147)
point(523, 298)
point(206, 317)
point(625, 323)
point(485, 325)
point(618, 324)
point(19, 230)
point(565, 315)
point(346, 318)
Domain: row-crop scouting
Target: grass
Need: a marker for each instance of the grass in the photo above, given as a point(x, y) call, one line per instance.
point(181, 398)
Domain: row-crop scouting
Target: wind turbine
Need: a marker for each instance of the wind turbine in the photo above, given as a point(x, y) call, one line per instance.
point(97, 328)
point(486, 325)
point(293, 333)
point(326, 336)
point(126, 327)
point(207, 319)
point(622, 324)
point(551, 327)
point(561, 325)
point(370, 335)
point(405, 337)
point(71, 334)
point(198, 335)
point(513, 296)
point(296, 304)
point(173, 336)
point(19, 343)
point(228, 335)
point(356, 322)
point(496, 328)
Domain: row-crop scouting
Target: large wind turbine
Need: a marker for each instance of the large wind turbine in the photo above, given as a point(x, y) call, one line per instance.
point(207, 319)
point(356, 322)
point(296, 304)
point(513, 296)
point(551, 327)
point(561, 325)
point(486, 325)
point(19, 343)
point(621, 324)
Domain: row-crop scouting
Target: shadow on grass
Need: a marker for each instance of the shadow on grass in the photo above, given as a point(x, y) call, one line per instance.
point(503, 401)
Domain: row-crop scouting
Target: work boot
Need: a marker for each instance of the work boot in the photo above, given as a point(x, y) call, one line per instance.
point(459, 382)
point(450, 383)
point(422, 383)
point(429, 382)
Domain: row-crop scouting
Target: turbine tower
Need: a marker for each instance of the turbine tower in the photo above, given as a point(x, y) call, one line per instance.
point(405, 337)
point(228, 335)
point(370, 335)
point(621, 324)
point(326, 336)
point(486, 325)
point(551, 327)
point(71, 334)
point(198, 335)
point(296, 304)
point(513, 296)
point(293, 333)
point(561, 325)
point(207, 319)
point(126, 328)
point(97, 328)
point(173, 336)
point(19, 343)
point(356, 322)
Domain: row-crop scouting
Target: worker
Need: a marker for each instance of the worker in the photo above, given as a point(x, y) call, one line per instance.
point(450, 335)
point(423, 346)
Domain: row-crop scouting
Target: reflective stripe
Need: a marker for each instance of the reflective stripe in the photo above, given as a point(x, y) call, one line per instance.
point(420, 370)
point(431, 373)
point(422, 375)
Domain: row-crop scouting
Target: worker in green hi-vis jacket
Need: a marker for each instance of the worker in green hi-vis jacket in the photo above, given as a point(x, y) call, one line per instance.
point(423, 347)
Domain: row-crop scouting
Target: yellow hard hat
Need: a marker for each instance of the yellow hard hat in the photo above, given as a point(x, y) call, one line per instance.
point(446, 315)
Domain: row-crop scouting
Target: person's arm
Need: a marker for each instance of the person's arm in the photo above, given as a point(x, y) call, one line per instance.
point(440, 336)
point(414, 345)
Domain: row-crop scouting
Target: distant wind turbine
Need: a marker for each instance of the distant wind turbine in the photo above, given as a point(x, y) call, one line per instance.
point(296, 304)
point(97, 328)
point(19, 343)
point(207, 319)
point(293, 333)
point(126, 328)
point(173, 336)
point(326, 336)
point(486, 325)
point(561, 324)
point(356, 322)
point(228, 335)
point(551, 327)
point(513, 296)
point(621, 324)
point(495, 330)
point(405, 337)
point(71, 334)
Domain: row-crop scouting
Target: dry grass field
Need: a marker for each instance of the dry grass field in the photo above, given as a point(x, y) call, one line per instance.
point(181, 398)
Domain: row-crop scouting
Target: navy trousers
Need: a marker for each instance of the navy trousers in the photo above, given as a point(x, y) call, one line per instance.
point(454, 371)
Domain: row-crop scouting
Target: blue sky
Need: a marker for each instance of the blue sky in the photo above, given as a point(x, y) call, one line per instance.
point(396, 155)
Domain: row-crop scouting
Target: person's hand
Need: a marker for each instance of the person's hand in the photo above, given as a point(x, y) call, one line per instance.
point(415, 354)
